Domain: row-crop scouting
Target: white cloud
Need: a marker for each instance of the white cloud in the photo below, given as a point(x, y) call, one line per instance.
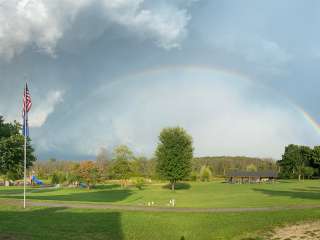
point(43, 23)
point(43, 109)
point(266, 55)
point(225, 114)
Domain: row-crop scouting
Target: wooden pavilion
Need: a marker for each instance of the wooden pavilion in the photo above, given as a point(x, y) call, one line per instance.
point(251, 177)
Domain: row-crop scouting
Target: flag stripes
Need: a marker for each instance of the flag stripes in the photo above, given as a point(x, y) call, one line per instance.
point(27, 103)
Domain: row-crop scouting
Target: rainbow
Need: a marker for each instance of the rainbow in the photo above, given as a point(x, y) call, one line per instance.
point(309, 119)
point(215, 69)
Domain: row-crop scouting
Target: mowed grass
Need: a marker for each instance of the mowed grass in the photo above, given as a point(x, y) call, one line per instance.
point(61, 223)
point(196, 195)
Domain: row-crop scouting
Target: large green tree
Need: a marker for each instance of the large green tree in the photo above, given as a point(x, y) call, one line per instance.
point(294, 160)
point(174, 154)
point(12, 150)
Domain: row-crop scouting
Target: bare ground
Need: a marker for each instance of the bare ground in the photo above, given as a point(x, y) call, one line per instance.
point(305, 231)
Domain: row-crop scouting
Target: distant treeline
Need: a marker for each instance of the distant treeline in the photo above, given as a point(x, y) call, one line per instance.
point(220, 166)
point(203, 168)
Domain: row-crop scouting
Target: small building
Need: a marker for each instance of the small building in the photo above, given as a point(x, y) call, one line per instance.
point(238, 176)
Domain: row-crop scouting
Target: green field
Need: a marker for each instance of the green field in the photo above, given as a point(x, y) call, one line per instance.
point(196, 195)
point(67, 223)
point(60, 223)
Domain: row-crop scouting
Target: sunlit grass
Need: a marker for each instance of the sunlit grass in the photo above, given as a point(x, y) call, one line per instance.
point(198, 195)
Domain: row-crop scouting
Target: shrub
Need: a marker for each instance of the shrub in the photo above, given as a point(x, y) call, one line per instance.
point(205, 173)
point(55, 179)
point(139, 183)
point(193, 176)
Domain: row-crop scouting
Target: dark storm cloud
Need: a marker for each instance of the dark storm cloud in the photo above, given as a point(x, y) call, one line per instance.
point(74, 48)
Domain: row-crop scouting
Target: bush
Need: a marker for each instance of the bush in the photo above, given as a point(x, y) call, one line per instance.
point(55, 179)
point(205, 173)
point(58, 177)
point(139, 183)
point(193, 176)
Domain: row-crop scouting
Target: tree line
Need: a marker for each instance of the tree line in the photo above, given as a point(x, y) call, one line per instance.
point(173, 161)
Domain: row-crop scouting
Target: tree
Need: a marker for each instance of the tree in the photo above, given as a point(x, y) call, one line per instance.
point(316, 155)
point(12, 155)
point(251, 168)
point(294, 160)
point(308, 172)
point(121, 166)
point(11, 150)
point(103, 162)
point(205, 173)
point(88, 173)
point(174, 155)
point(121, 170)
point(8, 129)
point(123, 152)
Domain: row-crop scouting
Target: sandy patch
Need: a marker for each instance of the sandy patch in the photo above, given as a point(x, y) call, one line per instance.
point(305, 231)
point(6, 237)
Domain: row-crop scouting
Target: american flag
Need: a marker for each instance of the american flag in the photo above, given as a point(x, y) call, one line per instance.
point(27, 103)
point(26, 100)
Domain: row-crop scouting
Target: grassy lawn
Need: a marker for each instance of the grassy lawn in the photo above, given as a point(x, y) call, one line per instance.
point(60, 223)
point(64, 223)
point(199, 195)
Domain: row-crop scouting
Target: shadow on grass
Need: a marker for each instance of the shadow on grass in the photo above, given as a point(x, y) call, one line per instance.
point(87, 196)
point(60, 223)
point(178, 186)
point(296, 193)
point(107, 186)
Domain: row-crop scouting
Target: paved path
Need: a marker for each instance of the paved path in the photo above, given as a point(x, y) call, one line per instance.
point(150, 209)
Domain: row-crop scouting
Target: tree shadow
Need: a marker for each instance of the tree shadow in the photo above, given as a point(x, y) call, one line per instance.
point(178, 186)
point(107, 186)
point(295, 193)
point(60, 223)
point(106, 196)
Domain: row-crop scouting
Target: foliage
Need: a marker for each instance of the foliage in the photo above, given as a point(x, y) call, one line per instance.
point(205, 173)
point(103, 163)
point(12, 155)
point(12, 151)
point(308, 171)
point(139, 183)
point(174, 154)
point(221, 165)
point(295, 160)
point(251, 168)
point(8, 129)
point(121, 170)
point(316, 155)
point(58, 178)
point(55, 179)
point(193, 176)
point(88, 173)
point(123, 152)
point(121, 166)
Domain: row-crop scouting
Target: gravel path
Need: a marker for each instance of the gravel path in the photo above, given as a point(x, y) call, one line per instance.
point(150, 209)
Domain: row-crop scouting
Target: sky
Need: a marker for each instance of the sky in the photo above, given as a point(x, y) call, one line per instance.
point(241, 77)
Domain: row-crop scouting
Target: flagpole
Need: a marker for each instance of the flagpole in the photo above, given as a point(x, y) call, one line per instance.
point(25, 154)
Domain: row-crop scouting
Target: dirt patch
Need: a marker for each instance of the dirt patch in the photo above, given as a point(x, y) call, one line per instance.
point(305, 231)
point(7, 237)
